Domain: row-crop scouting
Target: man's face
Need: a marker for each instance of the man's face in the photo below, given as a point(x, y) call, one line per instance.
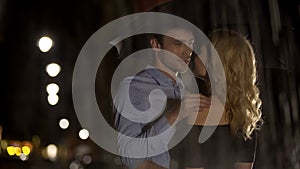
point(180, 43)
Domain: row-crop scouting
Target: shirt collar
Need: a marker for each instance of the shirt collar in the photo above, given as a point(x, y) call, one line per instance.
point(160, 77)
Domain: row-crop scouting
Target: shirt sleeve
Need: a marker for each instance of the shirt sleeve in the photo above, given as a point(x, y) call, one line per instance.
point(143, 147)
point(133, 141)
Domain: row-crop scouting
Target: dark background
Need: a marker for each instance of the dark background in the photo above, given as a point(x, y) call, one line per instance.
point(273, 27)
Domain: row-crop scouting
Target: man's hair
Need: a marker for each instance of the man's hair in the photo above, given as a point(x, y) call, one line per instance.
point(158, 37)
point(165, 29)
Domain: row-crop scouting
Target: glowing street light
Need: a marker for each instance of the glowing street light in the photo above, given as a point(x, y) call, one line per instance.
point(11, 150)
point(53, 69)
point(26, 150)
point(83, 134)
point(52, 89)
point(51, 152)
point(18, 151)
point(23, 157)
point(64, 123)
point(53, 99)
point(45, 43)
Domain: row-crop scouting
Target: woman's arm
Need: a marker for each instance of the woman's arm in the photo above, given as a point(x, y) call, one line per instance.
point(149, 165)
point(237, 166)
point(243, 165)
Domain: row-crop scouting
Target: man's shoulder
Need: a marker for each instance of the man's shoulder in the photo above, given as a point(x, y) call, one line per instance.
point(148, 72)
point(148, 76)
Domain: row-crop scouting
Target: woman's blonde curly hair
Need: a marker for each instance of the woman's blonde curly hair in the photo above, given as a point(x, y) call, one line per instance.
point(242, 104)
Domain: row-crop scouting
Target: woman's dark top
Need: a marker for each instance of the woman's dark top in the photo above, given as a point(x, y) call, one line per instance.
point(220, 151)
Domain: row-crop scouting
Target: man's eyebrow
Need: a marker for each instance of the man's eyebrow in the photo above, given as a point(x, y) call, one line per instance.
point(186, 41)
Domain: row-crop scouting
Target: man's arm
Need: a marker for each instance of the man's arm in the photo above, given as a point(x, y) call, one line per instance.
point(133, 140)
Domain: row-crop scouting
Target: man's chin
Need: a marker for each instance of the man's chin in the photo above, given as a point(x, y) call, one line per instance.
point(183, 70)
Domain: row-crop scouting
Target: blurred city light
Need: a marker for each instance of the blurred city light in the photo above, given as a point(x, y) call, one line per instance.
point(36, 140)
point(18, 151)
point(74, 165)
point(45, 43)
point(26, 150)
point(16, 147)
point(53, 69)
point(3, 144)
point(53, 99)
point(52, 89)
point(51, 152)
point(64, 123)
point(11, 150)
point(87, 159)
point(23, 157)
point(83, 134)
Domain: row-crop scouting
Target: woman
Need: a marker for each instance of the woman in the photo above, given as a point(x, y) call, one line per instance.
point(233, 143)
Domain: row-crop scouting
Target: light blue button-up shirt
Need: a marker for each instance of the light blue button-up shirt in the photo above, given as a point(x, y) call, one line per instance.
point(139, 114)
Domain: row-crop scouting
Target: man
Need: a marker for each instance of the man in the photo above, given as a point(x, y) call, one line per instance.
point(141, 114)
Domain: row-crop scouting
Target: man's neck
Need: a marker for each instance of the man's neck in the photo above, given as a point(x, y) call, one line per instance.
point(171, 74)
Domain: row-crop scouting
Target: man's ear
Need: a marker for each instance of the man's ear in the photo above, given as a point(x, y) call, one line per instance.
point(156, 46)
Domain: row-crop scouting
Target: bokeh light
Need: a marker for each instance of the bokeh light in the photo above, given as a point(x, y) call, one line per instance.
point(52, 89)
point(87, 159)
point(23, 157)
point(45, 44)
point(83, 134)
point(51, 152)
point(3, 144)
point(74, 165)
point(53, 99)
point(26, 150)
point(53, 69)
point(64, 123)
point(36, 140)
point(11, 150)
point(18, 151)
